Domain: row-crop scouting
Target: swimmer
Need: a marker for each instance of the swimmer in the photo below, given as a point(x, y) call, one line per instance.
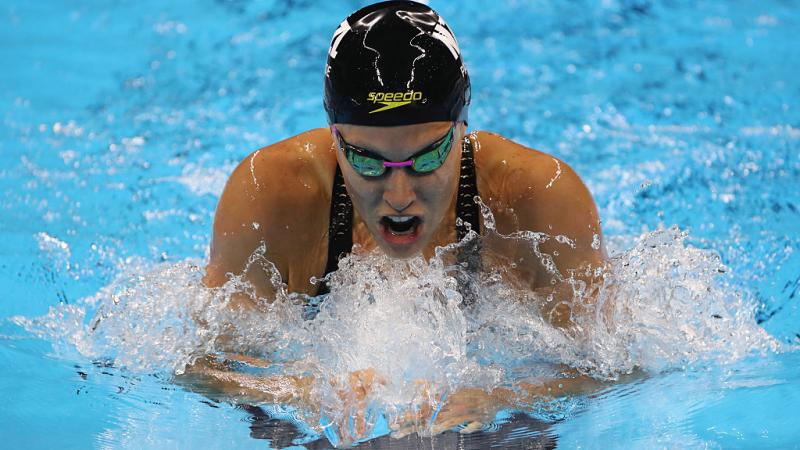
point(395, 168)
point(397, 171)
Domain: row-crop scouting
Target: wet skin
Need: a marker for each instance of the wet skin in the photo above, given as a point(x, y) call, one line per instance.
point(280, 195)
point(469, 405)
point(401, 191)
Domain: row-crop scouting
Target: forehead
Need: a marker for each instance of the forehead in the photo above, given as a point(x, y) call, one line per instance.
point(394, 141)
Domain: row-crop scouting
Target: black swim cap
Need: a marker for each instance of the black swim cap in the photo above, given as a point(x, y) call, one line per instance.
point(395, 63)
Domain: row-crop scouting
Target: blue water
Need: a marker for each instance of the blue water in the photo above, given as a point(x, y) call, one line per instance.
point(122, 120)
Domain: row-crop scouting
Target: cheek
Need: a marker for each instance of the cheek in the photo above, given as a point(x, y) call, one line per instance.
point(365, 195)
point(438, 190)
point(444, 182)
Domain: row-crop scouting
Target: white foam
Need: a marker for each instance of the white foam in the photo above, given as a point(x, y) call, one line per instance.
point(660, 305)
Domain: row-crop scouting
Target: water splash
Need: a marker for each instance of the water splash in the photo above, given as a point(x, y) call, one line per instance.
point(660, 305)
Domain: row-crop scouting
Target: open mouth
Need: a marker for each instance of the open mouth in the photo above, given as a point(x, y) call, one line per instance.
point(400, 230)
point(401, 225)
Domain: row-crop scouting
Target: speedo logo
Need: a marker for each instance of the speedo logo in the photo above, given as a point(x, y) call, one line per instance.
point(391, 100)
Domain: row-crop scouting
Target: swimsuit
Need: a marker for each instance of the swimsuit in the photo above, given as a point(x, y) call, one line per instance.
point(340, 229)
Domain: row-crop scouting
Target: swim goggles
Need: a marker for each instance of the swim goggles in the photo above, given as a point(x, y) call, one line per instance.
point(370, 164)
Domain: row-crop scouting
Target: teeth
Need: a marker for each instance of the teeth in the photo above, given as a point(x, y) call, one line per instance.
point(400, 219)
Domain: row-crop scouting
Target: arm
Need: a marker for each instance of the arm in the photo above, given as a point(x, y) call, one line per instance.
point(242, 224)
point(475, 406)
point(468, 405)
point(532, 192)
point(218, 380)
point(559, 204)
point(563, 206)
point(278, 198)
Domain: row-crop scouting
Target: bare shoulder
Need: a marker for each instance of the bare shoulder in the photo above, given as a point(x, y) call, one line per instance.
point(531, 190)
point(518, 173)
point(275, 197)
point(299, 161)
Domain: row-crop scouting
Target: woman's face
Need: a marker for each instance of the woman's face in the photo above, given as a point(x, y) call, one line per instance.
point(402, 209)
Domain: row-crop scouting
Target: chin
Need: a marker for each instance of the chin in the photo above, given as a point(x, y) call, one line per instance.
point(401, 253)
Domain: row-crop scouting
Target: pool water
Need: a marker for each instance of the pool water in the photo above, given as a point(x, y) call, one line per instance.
point(122, 120)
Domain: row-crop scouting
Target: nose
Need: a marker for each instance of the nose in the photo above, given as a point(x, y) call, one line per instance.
point(399, 190)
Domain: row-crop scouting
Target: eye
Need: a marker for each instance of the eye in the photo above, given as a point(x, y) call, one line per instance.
point(365, 165)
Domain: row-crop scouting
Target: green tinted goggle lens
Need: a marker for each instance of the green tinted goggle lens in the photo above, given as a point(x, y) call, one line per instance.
point(369, 164)
point(364, 165)
point(432, 160)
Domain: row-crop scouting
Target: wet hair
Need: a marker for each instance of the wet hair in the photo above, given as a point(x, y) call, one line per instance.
point(395, 63)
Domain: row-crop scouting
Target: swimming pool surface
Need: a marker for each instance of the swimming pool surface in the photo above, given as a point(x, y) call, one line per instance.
point(122, 120)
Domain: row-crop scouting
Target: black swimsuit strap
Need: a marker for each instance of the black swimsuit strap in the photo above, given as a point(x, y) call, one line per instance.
point(466, 208)
point(340, 228)
point(468, 214)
